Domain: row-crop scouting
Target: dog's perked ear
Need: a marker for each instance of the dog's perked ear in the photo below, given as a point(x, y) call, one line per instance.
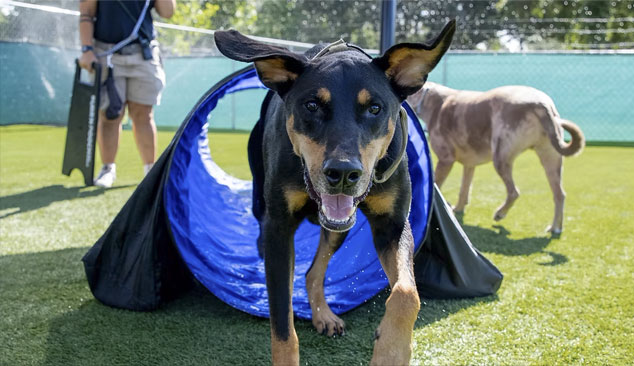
point(277, 67)
point(406, 65)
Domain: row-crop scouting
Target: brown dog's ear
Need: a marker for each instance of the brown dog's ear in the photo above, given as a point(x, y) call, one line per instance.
point(277, 67)
point(406, 65)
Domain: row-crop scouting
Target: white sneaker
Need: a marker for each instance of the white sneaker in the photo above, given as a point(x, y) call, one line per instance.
point(106, 176)
point(147, 168)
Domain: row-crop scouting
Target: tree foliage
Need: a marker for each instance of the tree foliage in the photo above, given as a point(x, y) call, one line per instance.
point(420, 20)
point(483, 24)
point(320, 21)
point(573, 23)
point(205, 14)
point(191, 14)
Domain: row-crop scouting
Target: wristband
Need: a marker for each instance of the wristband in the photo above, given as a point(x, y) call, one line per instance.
point(86, 48)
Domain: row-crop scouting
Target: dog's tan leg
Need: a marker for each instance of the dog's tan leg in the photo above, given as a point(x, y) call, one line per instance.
point(553, 166)
point(465, 188)
point(279, 263)
point(285, 352)
point(324, 320)
point(504, 168)
point(393, 344)
point(443, 167)
point(445, 153)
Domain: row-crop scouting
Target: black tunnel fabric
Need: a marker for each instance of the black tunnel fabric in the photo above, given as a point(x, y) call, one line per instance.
point(448, 265)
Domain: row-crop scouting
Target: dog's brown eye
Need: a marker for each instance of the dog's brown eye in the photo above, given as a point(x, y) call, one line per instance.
point(311, 106)
point(374, 109)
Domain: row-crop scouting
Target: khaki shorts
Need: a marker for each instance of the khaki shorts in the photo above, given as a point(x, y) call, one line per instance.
point(137, 80)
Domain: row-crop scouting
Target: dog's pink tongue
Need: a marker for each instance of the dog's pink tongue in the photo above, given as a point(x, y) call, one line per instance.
point(338, 207)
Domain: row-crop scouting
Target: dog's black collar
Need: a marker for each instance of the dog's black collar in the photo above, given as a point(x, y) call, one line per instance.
point(404, 139)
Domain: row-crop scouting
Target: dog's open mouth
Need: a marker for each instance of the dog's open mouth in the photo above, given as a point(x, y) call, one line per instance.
point(336, 212)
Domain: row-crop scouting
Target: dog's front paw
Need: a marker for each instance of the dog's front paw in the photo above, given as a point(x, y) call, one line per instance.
point(326, 322)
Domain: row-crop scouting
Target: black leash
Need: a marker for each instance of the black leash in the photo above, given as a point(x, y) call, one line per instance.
point(115, 104)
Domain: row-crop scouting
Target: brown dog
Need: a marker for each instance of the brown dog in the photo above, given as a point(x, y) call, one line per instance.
point(474, 127)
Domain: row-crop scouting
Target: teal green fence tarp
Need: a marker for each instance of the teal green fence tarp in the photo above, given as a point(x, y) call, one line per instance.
point(593, 90)
point(596, 91)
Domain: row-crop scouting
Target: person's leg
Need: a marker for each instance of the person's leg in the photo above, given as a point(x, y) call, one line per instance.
point(108, 132)
point(144, 130)
point(145, 83)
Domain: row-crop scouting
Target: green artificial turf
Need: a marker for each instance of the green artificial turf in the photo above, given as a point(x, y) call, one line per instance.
point(563, 301)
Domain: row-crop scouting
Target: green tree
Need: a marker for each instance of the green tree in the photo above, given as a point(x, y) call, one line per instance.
point(320, 21)
point(205, 14)
point(573, 23)
point(476, 21)
point(195, 14)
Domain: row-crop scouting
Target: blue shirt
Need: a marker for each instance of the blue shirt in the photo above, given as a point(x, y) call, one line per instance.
point(114, 24)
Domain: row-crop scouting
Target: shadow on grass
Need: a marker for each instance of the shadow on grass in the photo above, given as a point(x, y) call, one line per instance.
point(47, 294)
point(70, 327)
point(196, 329)
point(200, 329)
point(55, 320)
point(435, 310)
point(492, 241)
point(42, 197)
point(431, 310)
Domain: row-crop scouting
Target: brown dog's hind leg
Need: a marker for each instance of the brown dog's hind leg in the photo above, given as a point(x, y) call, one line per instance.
point(324, 320)
point(553, 166)
point(443, 167)
point(445, 154)
point(465, 188)
point(504, 167)
point(393, 342)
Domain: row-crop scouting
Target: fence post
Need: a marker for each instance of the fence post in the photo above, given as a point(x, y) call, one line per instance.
point(388, 26)
point(444, 70)
point(233, 101)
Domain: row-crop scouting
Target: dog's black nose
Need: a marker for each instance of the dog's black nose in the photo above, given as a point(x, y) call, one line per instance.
point(342, 173)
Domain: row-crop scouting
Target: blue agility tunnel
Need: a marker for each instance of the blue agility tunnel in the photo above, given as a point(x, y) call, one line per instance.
point(190, 221)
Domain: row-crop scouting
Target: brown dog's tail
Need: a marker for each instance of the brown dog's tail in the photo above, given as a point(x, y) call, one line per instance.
point(551, 122)
point(577, 142)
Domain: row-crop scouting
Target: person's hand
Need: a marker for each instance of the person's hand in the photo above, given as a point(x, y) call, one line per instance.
point(86, 59)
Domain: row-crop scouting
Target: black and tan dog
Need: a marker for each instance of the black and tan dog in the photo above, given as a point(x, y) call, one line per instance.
point(333, 140)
